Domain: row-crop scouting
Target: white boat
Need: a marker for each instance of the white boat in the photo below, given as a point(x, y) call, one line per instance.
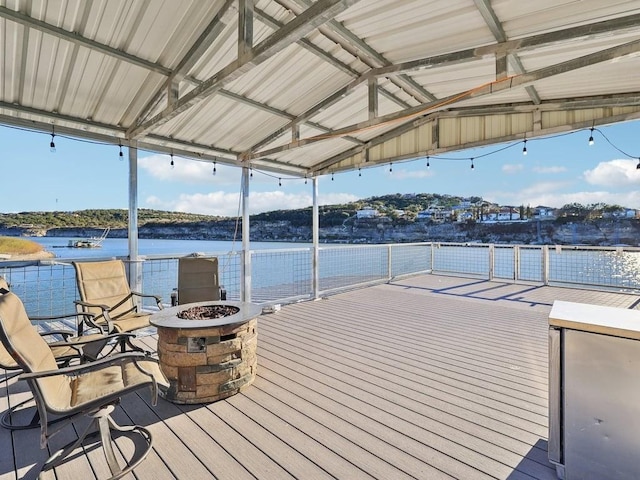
point(92, 242)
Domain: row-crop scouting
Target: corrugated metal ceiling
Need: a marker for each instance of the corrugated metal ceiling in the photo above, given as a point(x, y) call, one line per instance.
point(319, 83)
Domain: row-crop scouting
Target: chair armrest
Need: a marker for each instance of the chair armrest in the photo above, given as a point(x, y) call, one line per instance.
point(90, 320)
point(148, 295)
point(92, 305)
point(60, 317)
point(86, 367)
point(79, 341)
point(63, 333)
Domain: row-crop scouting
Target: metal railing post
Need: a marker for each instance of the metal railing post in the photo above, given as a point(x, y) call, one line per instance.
point(492, 259)
point(545, 265)
point(389, 263)
point(516, 263)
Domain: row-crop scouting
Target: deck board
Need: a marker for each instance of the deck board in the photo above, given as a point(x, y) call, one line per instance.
point(426, 377)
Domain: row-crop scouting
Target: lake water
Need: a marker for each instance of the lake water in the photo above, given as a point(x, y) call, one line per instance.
point(118, 247)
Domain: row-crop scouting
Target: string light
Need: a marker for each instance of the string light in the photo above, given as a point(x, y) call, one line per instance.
point(279, 182)
point(250, 172)
point(305, 179)
point(214, 169)
point(332, 176)
point(638, 166)
point(472, 167)
point(172, 164)
point(359, 172)
point(121, 155)
point(591, 137)
point(390, 167)
point(428, 164)
point(52, 145)
point(524, 149)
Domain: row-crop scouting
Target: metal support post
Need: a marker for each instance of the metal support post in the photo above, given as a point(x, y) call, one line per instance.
point(135, 271)
point(316, 241)
point(245, 268)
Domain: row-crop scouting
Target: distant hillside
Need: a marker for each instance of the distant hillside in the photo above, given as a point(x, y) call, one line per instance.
point(118, 218)
point(113, 218)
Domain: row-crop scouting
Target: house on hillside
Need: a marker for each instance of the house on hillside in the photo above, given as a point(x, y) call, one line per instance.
point(435, 213)
point(367, 212)
point(621, 213)
point(544, 213)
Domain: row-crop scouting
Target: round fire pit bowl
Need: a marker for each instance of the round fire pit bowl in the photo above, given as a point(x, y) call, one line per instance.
point(207, 350)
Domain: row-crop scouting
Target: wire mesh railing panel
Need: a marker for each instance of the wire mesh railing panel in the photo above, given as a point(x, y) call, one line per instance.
point(159, 277)
point(599, 267)
point(462, 258)
point(279, 274)
point(229, 270)
point(531, 264)
point(45, 289)
point(348, 266)
point(410, 258)
point(504, 262)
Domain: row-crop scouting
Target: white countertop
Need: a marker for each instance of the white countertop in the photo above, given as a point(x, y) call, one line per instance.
point(619, 322)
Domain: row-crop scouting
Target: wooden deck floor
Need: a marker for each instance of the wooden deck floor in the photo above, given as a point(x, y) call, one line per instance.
point(425, 378)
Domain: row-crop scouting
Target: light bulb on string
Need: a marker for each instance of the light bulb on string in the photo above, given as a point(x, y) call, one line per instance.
point(172, 164)
point(332, 176)
point(359, 172)
point(121, 155)
point(472, 166)
point(390, 167)
point(279, 181)
point(591, 137)
point(250, 172)
point(214, 169)
point(52, 145)
point(638, 166)
point(524, 149)
point(428, 164)
point(305, 179)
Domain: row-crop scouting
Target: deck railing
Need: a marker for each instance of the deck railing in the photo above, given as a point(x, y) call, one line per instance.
point(48, 287)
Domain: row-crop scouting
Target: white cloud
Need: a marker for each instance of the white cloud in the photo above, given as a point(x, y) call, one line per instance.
point(188, 171)
point(549, 169)
point(408, 174)
point(226, 204)
point(511, 169)
point(556, 194)
point(614, 173)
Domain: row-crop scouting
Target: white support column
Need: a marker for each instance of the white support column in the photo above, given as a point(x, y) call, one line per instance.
point(315, 228)
point(245, 268)
point(135, 272)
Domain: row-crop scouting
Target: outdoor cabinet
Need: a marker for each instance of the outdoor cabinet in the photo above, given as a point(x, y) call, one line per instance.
point(594, 391)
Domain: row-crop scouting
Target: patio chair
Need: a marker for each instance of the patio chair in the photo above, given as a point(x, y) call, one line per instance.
point(92, 389)
point(104, 291)
point(198, 280)
point(70, 348)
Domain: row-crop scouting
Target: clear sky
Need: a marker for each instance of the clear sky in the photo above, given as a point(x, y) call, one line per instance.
point(556, 170)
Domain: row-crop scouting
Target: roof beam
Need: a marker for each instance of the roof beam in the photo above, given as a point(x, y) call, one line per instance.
point(492, 21)
point(487, 89)
point(600, 101)
point(200, 46)
point(310, 19)
point(511, 46)
point(305, 43)
point(337, 32)
point(78, 39)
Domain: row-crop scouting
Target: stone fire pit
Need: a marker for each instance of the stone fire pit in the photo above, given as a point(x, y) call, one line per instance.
point(207, 350)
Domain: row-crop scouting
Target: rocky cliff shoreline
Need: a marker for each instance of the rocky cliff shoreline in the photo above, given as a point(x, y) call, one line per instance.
point(597, 233)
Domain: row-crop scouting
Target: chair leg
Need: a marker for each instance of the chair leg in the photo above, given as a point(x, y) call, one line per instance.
point(7, 421)
point(105, 424)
